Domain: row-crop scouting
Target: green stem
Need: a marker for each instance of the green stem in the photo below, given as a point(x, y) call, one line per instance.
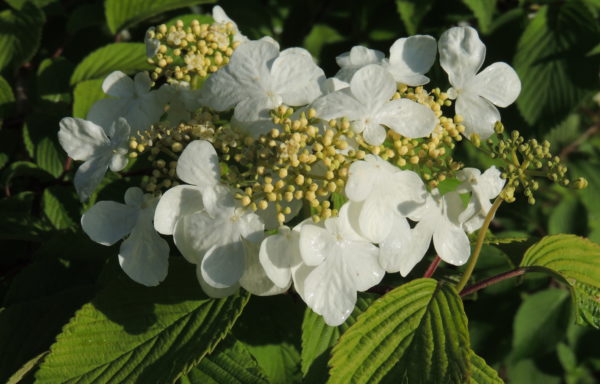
point(480, 237)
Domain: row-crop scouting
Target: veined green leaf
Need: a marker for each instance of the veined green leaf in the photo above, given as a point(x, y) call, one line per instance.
point(132, 333)
point(548, 61)
point(229, 363)
point(481, 373)
point(123, 13)
point(20, 34)
point(577, 261)
point(416, 333)
point(126, 57)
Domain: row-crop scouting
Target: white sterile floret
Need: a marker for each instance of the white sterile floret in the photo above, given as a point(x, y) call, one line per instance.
point(461, 55)
point(144, 255)
point(438, 219)
point(368, 105)
point(210, 227)
point(152, 44)
point(219, 15)
point(183, 102)
point(380, 194)
point(483, 187)
point(97, 147)
point(344, 262)
point(410, 58)
point(357, 58)
point(259, 78)
point(131, 99)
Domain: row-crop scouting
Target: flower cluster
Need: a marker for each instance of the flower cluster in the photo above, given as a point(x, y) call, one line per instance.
point(270, 175)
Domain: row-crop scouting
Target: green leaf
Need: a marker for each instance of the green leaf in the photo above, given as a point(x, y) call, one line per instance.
point(230, 363)
point(85, 95)
point(124, 13)
point(319, 36)
point(540, 323)
point(6, 97)
point(569, 216)
point(527, 372)
point(20, 34)
point(26, 369)
point(416, 333)
point(132, 333)
point(126, 57)
point(53, 80)
point(549, 61)
point(55, 202)
point(481, 373)
point(50, 156)
point(412, 12)
point(577, 261)
point(483, 11)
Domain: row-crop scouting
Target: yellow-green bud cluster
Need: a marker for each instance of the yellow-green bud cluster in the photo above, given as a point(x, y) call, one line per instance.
point(524, 160)
point(186, 53)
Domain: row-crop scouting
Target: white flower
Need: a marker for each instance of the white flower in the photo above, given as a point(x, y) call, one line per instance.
point(144, 255)
point(357, 58)
point(99, 149)
point(220, 16)
point(483, 188)
point(152, 44)
point(439, 219)
point(367, 104)
point(410, 58)
point(209, 226)
point(461, 56)
point(344, 263)
point(259, 78)
point(380, 194)
point(131, 99)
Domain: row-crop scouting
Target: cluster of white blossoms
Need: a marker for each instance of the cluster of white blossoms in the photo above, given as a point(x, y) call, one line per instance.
point(320, 183)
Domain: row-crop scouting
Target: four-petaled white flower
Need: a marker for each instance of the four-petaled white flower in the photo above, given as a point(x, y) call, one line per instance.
point(368, 105)
point(131, 99)
point(344, 262)
point(144, 255)
point(357, 58)
point(461, 56)
point(483, 188)
point(98, 148)
point(259, 78)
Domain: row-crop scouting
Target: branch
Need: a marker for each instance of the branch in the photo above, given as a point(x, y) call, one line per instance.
point(432, 267)
point(492, 280)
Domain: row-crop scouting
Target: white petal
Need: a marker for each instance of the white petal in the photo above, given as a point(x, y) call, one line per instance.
point(492, 182)
point(222, 91)
point(199, 164)
point(119, 132)
point(118, 162)
point(374, 134)
point(118, 84)
point(498, 83)
point(420, 239)
point(219, 201)
point(81, 139)
point(394, 251)
point(338, 104)
point(315, 244)
point(176, 202)
point(90, 174)
point(255, 279)
point(333, 84)
point(361, 259)
point(144, 256)
point(451, 243)
point(196, 233)
point(134, 197)
point(277, 253)
point(142, 83)
point(479, 115)
point(249, 64)
point(223, 265)
point(412, 57)
point(329, 291)
point(256, 108)
point(105, 111)
point(361, 180)
point(216, 293)
point(250, 225)
point(360, 56)
point(373, 86)
point(108, 221)
point(408, 190)
point(407, 117)
point(376, 218)
point(296, 78)
point(461, 54)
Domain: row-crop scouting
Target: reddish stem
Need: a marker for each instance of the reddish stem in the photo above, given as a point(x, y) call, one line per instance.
point(432, 267)
point(492, 280)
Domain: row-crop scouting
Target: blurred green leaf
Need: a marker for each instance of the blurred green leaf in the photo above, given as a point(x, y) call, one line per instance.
point(59, 204)
point(148, 334)
point(412, 13)
point(577, 261)
point(554, 77)
point(416, 332)
point(20, 33)
point(319, 36)
point(483, 11)
point(84, 16)
point(6, 97)
point(126, 57)
point(124, 13)
point(50, 156)
point(85, 95)
point(569, 216)
point(53, 79)
point(229, 363)
point(527, 372)
point(540, 323)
